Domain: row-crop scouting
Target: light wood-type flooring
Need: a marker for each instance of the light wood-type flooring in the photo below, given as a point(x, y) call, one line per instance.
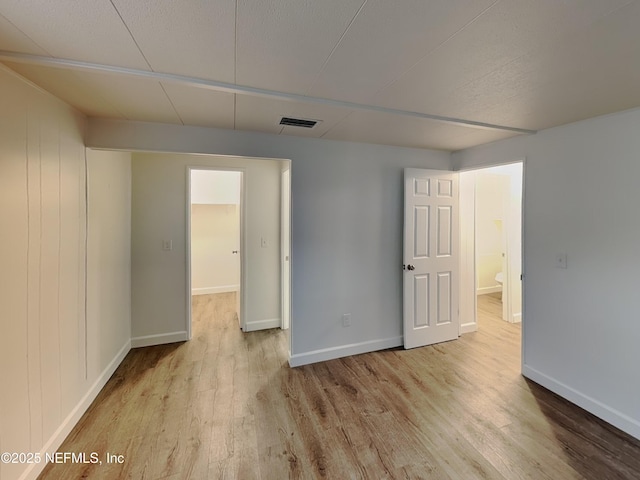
point(226, 405)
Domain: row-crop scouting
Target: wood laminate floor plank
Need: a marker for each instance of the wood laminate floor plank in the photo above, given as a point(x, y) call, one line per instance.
point(227, 406)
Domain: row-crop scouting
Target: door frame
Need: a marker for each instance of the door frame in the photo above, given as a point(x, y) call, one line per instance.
point(243, 263)
point(468, 301)
point(285, 253)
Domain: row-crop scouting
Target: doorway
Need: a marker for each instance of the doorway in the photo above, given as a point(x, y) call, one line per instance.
point(216, 233)
point(491, 243)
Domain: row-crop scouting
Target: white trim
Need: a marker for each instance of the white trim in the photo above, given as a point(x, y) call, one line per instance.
point(516, 318)
point(210, 290)
point(324, 354)
point(188, 307)
point(240, 89)
point(262, 324)
point(468, 327)
point(467, 273)
point(486, 290)
point(285, 256)
point(160, 339)
point(599, 409)
point(61, 433)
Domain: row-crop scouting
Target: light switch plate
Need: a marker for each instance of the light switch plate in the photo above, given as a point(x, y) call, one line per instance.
point(561, 260)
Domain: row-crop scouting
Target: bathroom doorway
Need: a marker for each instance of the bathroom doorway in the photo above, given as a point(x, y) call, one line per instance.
point(491, 242)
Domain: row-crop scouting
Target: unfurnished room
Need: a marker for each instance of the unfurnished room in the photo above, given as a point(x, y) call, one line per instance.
point(342, 239)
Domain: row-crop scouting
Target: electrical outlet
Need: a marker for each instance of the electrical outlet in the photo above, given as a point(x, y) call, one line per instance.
point(167, 245)
point(346, 320)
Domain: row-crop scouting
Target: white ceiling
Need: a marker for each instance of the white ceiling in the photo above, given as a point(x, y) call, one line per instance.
point(513, 63)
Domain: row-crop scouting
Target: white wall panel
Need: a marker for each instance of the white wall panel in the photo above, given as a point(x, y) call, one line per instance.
point(42, 279)
point(49, 245)
point(14, 228)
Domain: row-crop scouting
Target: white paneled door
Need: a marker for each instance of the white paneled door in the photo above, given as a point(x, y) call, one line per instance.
point(431, 257)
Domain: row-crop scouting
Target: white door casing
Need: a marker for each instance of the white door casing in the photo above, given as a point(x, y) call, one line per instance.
point(285, 253)
point(431, 257)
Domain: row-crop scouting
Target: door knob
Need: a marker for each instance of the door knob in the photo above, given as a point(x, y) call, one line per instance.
point(410, 267)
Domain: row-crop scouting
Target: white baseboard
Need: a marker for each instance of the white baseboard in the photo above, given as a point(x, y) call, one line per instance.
point(150, 340)
point(485, 290)
point(468, 328)
point(599, 409)
point(72, 419)
point(262, 324)
point(516, 318)
point(210, 290)
point(343, 351)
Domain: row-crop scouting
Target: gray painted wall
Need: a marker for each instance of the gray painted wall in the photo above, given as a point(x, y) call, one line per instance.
point(159, 212)
point(346, 228)
point(581, 198)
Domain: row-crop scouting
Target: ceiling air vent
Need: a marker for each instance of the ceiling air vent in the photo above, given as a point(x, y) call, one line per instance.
point(298, 122)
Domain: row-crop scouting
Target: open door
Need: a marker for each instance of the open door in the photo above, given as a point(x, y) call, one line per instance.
point(431, 257)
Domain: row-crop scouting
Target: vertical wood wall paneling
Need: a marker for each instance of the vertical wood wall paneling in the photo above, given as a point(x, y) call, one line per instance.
point(70, 264)
point(82, 346)
point(42, 269)
point(33, 274)
point(47, 378)
point(49, 271)
point(14, 384)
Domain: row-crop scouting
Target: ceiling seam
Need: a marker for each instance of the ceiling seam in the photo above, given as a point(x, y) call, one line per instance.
point(245, 90)
point(25, 34)
point(131, 35)
point(133, 38)
point(335, 47)
point(171, 103)
point(435, 49)
point(337, 124)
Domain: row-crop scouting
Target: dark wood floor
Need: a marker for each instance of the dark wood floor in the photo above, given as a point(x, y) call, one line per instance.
point(226, 405)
